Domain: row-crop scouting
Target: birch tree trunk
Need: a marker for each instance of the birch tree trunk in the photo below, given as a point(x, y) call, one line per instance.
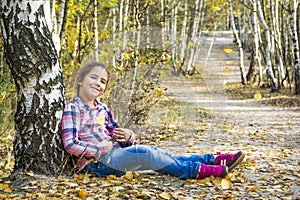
point(147, 28)
point(114, 30)
point(53, 25)
point(33, 61)
point(121, 5)
point(193, 37)
point(270, 72)
point(241, 51)
point(198, 34)
point(295, 46)
point(163, 24)
point(278, 46)
point(173, 35)
point(96, 51)
point(125, 24)
point(254, 74)
point(62, 17)
point(183, 36)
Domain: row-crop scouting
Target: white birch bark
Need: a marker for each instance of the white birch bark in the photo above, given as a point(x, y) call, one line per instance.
point(163, 25)
point(278, 46)
point(147, 28)
point(53, 23)
point(108, 20)
point(193, 37)
point(138, 23)
point(61, 16)
point(257, 54)
point(184, 35)
point(255, 65)
point(173, 34)
point(33, 61)
point(96, 50)
point(114, 29)
point(270, 72)
point(125, 18)
point(197, 35)
point(295, 46)
point(121, 15)
point(241, 51)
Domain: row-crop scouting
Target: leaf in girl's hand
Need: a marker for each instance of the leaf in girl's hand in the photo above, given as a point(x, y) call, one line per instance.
point(100, 119)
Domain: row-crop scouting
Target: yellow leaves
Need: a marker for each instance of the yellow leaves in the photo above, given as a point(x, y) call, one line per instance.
point(126, 56)
point(291, 123)
point(217, 181)
point(82, 193)
point(112, 176)
point(158, 93)
point(165, 195)
point(263, 178)
point(228, 50)
point(8, 190)
point(282, 140)
point(252, 189)
point(226, 69)
point(120, 68)
point(104, 35)
point(30, 173)
point(257, 95)
point(226, 184)
point(128, 176)
point(70, 44)
point(204, 181)
point(215, 8)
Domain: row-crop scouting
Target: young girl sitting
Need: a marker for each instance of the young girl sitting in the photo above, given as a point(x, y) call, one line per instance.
point(100, 147)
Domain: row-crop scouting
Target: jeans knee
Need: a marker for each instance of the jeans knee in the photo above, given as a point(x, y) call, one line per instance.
point(145, 149)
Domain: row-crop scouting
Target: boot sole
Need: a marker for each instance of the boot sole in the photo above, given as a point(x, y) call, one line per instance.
point(237, 162)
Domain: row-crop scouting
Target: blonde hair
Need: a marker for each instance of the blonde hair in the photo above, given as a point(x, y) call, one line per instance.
point(85, 69)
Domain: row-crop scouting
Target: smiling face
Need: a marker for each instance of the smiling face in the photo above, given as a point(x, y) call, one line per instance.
point(92, 85)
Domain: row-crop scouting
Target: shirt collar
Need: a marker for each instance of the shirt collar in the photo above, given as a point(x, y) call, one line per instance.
point(78, 100)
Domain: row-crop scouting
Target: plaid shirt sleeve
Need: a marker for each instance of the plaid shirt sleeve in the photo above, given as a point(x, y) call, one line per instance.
point(111, 124)
point(70, 137)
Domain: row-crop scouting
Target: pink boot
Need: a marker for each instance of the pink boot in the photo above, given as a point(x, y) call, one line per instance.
point(229, 160)
point(212, 170)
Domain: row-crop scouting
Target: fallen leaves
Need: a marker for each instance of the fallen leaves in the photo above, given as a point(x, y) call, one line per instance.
point(129, 186)
point(228, 50)
point(82, 193)
point(226, 184)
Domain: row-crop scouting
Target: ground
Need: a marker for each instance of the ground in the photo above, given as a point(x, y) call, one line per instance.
point(208, 112)
point(266, 126)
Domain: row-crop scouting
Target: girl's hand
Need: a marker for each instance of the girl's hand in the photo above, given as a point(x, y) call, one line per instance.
point(122, 134)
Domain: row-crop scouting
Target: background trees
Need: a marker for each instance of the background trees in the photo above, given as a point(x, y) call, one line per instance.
point(263, 28)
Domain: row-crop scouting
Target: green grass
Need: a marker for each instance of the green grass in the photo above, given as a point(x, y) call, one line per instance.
point(8, 98)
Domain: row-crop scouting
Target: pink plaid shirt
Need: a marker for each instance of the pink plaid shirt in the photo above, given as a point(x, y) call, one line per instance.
point(86, 130)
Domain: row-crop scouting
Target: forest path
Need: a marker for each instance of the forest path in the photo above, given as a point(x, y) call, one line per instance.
point(268, 135)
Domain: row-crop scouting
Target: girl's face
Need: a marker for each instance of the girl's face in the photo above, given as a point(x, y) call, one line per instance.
point(93, 85)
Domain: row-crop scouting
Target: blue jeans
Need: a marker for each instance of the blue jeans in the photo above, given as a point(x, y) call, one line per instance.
point(142, 157)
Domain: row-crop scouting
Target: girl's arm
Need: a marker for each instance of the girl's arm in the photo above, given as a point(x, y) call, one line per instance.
point(125, 137)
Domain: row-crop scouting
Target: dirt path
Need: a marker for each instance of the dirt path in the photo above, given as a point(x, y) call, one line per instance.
point(269, 135)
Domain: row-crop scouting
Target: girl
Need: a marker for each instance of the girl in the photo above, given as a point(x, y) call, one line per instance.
point(100, 147)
